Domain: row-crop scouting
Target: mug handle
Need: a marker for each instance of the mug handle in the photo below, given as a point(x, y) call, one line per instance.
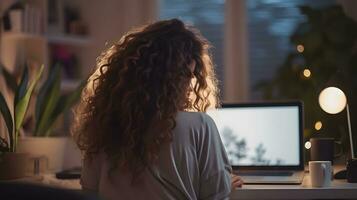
point(340, 153)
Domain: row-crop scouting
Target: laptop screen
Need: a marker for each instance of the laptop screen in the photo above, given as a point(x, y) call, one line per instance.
point(260, 134)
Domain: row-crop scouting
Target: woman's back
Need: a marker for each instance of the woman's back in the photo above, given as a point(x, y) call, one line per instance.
point(134, 111)
point(193, 166)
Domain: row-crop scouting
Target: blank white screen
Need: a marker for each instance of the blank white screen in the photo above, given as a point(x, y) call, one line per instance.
point(259, 136)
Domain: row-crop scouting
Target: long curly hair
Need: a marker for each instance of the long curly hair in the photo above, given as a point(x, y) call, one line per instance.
point(128, 107)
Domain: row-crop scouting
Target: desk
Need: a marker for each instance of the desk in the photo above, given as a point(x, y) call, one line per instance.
point(50, 180)
point(339, 189)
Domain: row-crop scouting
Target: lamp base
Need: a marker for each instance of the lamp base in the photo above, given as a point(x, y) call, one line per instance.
point(341, 174)
point(352, 171)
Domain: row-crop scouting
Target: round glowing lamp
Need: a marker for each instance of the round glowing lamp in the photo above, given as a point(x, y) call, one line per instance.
point(333, 100)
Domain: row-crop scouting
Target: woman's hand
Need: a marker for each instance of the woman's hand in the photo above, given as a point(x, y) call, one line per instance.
point(236, 181)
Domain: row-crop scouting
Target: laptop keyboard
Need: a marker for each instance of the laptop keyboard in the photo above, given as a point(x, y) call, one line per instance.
point(265, 173)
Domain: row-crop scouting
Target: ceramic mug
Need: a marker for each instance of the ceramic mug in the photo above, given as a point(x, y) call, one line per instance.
point(320, 173)
point(324, 149)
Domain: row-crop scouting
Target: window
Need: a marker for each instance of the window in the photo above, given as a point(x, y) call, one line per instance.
point(207, 16)
point(270, 23)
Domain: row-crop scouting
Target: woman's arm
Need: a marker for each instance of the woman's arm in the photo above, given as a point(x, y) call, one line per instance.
point(215, 170)
point(236, 181)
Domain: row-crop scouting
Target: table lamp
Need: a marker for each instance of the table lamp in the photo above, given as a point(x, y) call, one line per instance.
point(333, 100)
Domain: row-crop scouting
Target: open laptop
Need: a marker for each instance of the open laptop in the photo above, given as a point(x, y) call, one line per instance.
point(263, 141)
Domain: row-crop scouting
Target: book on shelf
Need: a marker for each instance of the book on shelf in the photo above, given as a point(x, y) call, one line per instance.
point(16, 20)
point(25, 19)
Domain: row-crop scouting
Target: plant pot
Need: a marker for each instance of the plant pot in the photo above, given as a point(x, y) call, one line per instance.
point(52, 148)
point(13, 165)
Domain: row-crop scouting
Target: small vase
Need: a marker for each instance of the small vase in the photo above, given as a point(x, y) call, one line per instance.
point(13, 165)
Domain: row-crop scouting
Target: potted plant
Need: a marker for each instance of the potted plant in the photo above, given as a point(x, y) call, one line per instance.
point(12, 163)
point(50, 104)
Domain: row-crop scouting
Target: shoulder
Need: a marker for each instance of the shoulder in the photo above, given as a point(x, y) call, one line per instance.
point(199, 123)
point(194, 118)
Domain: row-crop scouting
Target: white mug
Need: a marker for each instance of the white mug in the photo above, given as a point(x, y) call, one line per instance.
point(320, 173)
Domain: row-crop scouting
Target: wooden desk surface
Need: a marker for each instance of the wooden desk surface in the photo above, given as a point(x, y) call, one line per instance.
point(50, 180)
point(339, 189)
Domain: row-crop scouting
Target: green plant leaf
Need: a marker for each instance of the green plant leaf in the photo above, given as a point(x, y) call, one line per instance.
point(9, 79)
point(5, 111)
point(21, 90)
point(73, 97)
point(65, 103)
point(44, 95)
point(22, 104)
point(50, 103)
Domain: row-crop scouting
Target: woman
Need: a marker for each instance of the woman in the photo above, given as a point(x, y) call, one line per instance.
point(141, 124)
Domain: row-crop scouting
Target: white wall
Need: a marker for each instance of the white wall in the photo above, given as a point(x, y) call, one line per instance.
point(108, 20)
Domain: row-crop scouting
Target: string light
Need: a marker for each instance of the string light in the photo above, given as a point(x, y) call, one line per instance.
point(307, 145)
point(300, 48)
point(318, 125)
point(307, 73)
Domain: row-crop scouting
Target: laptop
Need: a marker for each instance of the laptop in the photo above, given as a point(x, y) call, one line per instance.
point(263, 141)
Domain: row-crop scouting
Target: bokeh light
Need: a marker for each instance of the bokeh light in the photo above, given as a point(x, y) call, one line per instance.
point(318, 125)
point(307, 73)
point(307, 145)
point(300, 48)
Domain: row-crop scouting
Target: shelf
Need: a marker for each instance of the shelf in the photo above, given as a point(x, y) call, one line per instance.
point(69, 85)
point(16, 35)
point(68, 40)
point(53, 39)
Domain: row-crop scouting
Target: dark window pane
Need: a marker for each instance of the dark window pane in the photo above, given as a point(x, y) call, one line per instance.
point(270, 23)
point(207, 16)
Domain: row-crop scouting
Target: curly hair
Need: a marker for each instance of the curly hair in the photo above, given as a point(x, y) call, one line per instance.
point(128, 107)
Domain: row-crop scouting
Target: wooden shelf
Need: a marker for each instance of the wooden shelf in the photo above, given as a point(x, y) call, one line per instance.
point(68, 40)
point(69, 85)
point(18, 35)
point(52, 39)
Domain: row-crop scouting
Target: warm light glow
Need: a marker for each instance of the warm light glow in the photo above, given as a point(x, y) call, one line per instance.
point(307, 145)
point(307, 73)
point(300, 48)
point(318, 125)
point(332, 100)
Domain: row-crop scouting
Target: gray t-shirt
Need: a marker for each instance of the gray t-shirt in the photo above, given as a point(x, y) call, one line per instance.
point(193, 166)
